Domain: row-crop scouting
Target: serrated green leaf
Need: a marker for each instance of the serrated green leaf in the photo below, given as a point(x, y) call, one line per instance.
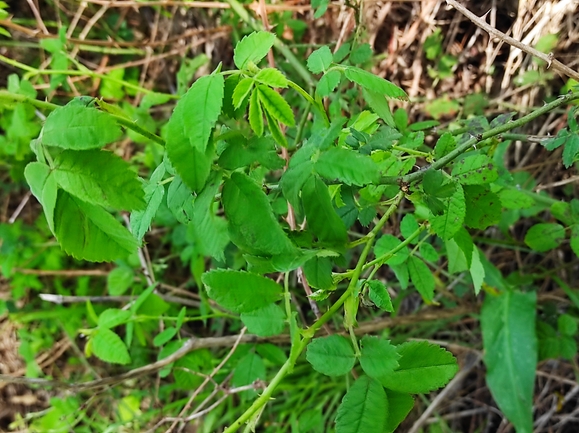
point(241, 91)
point(422, 278)
point(88, 232)
point(380, 296)
point(240, 154)
point(100, 178)
point(112, 317)
point(320, 60)
point(256, 113)
point(328, 83)
point(275, 130)
point(408, 225)
point(266, 321)
point(423, 367)
point(119, 280)
point(252, 224)
point(570, 151)
point(475, 170)
point(180, 200)
point(483, 207)
point(450, 221)
point(195, 115)
point(361, 54)
point(109, 347)
point(44, 188)
point(379, 357)
point(252, 48)
point(386, 244)
point(332, 355)
point(364, 408)
point(399, 406)
point(240, 291)
point(544, 236)
point(379, 105)
point(322, 219)
point(348, 166)
point(445, 144)
point(248, 369)
point(514, 199)
point(209, 230)
point(275, 105)
point(318, 271)
point(79, 127)
point(374, 83)
point(192, 166)
point(271, 77)
point(477, 271)
point(510, 342)
point(154, 192)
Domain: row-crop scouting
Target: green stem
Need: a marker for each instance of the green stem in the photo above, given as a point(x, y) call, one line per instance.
point(413, 177)
point(309, 333)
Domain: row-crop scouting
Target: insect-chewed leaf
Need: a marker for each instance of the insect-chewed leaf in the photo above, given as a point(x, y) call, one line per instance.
point(252, 224)
point(79, 127)
point(364, 408)
point(475, 170)
point(252, 48)
point(374, 83)
point(109, 347)
point(320, 60)
point(348, 166)
point(332, 356)
point(100, 178)
point(88, 232)
point(423, 367)
point(323, 221)
point(240, 291)
point(271, 77)
point(510, 342)
point(275, 105)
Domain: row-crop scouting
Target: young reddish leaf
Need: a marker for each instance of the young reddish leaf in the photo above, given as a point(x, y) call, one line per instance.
point(240, 291)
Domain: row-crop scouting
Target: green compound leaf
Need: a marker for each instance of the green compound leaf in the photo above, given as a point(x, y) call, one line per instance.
point(423, 367)
point(196, 113)
point(266, 321)
point(256, 113)
point(475, 170)
point(348, 166)
point(79, 127)
point(109, 347)
point(241, 91)
point(328, 83)
point(399, 406)
point(275, 105)
point(100, 178)
point(209, 230)
point(483, 207)
point(364, 408)
point(379, 357)
point(323, 221)
point(88, 232)
point(510, 343)
point(320, 60)
point(240, 291)
point(154, 192)
point(380, 296)
point(318, 272)
point(545, 236)
point(450, 221)
point(44, 188)
point(332, 356)
point(422, 278)
point(271, 77)
point(252, 48)
point(252, 224)
point(374, 83)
